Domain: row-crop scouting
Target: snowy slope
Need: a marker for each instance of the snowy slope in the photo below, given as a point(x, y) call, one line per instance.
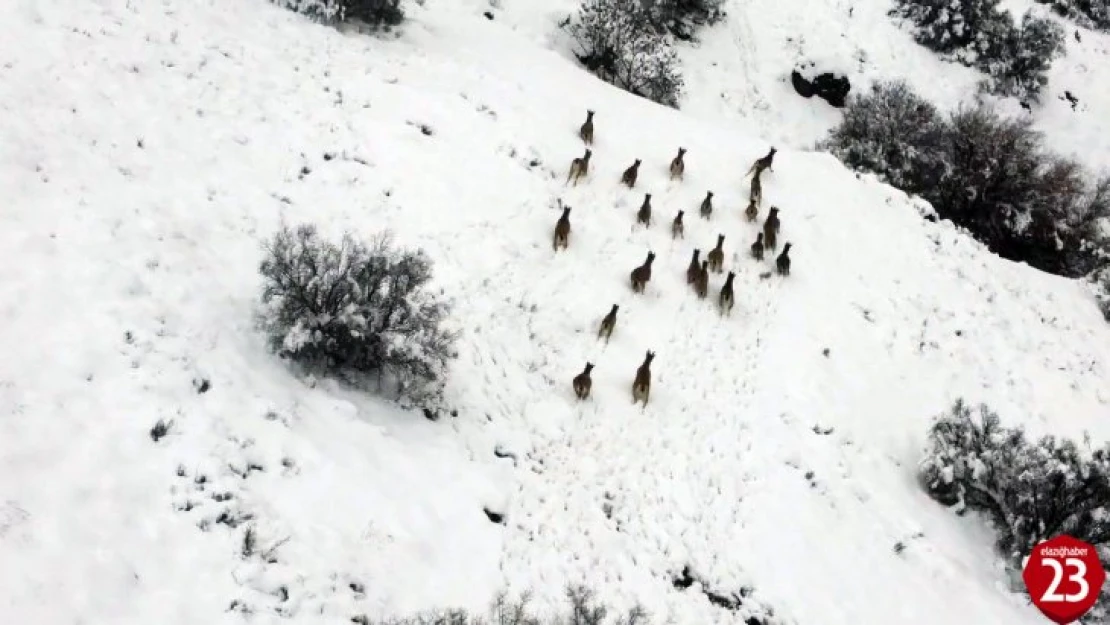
point(146, 150)
point(739, 72)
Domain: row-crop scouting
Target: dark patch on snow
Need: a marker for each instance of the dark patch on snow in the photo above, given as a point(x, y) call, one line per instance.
point(730, 602)
point(489, 15)
point(494, 517)
point(160, 429)
point(202, 385)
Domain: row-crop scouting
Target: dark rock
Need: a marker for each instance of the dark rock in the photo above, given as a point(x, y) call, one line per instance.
point(801, 85)
point(827, 86)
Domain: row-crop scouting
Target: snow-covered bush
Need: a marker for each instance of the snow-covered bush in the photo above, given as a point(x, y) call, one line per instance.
point(682, 18)
point(980, 34)
point(355, 308)
point(894, 133)
point(989, 174)
point(951, 26)
point(1018, 60)
point(373, 13)
point(620, 44)
point(1089, 13)
point(1031, 491)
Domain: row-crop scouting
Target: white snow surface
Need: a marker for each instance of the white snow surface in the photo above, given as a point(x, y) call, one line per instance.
point(147, 149)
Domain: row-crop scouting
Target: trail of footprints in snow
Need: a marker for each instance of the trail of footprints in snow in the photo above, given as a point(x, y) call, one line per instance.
point(215, 499)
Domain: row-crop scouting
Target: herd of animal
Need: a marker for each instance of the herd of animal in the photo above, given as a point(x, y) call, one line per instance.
point(697, 274)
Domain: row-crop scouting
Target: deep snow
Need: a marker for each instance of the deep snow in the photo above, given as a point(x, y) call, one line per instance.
point(146, 150)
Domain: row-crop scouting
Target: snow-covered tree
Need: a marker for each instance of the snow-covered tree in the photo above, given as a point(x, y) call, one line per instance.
point(620, 44)
point(355, 308)
point(1089, 13)
point(682, 18)
point(894, 133)
point(987, 173)
point(980, 34)
point(1017, 61)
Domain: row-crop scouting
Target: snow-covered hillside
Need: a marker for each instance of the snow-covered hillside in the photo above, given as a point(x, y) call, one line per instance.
point(739, 72)
point(146, 151)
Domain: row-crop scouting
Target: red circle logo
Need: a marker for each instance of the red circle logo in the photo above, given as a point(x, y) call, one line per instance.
point(1064, 577)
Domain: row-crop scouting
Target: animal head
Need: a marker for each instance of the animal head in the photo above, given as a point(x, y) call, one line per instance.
point(786, 248)
point(759, 237)
point(650, 257)
point(697, 253)
point(647, 197)
point(704, 264)
point(589, 153)
point(720, 239)
point(589, 367)
point(650, 356)
point(680, 214)
point(731, 276)
point(615, 308)
point(708, 194)
point(681, 151)
point(773, 150)
point(774, 210)
point(589, 113)
point(636, 163)
point(566, 211)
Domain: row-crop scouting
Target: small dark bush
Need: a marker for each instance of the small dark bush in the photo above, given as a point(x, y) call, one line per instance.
point(1030, 491)
point(980, 34)
point(1093, 14)
point(373, 13)
point(355, 308)
point(620, 44)
point(989, 174)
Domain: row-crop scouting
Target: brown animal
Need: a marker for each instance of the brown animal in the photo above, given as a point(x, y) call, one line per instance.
point(579, 167)
point(628, 178)
point(678, 166)
point(562, 230)
point(582, 382)
point(608, 323)
point(782, 263)
point(677, 229)
point(707, 205)
point(642, 274)
point(716, 255)
point(693, 269)
point(770, 229)
point(752, 211)
point(701, 283)
point(756, 195)
point(725, 299)
point(757, 247)
point(586, 132)
point(643, 215)
point(763, 163)
point(641, 386)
